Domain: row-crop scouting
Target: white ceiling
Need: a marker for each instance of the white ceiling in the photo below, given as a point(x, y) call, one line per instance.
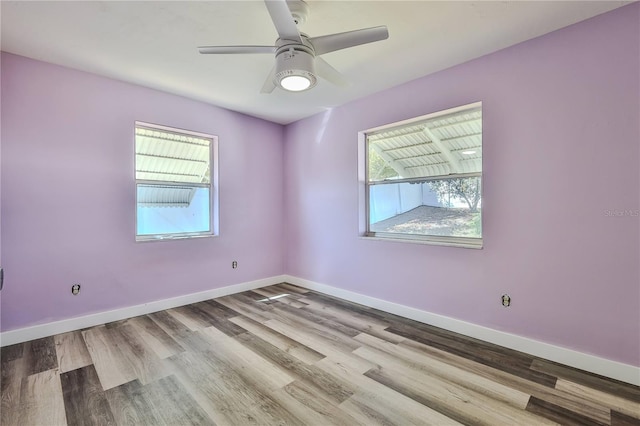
point(153, 43)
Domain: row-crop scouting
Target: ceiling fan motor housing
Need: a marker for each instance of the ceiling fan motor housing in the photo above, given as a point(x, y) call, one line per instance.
point(299, 11)
point(295, 62)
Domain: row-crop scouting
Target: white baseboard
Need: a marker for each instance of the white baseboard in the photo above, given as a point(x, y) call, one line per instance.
point(604, 367)
point(49, 329)
point(613, 369)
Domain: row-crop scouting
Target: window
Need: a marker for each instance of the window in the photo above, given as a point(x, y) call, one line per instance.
point(175, 183)
point(422, 179)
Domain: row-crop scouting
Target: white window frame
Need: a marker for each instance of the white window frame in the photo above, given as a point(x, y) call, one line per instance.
point(212, 186)
point(364, 189)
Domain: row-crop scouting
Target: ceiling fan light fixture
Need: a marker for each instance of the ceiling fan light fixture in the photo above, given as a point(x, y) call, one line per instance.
point(295, 71)
point(295, 83)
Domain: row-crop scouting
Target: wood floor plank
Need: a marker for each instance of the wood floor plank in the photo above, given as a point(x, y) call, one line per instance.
point(108, 359)
point(595, 410)
point(218, 318)
point(196, 342)
point(131, 406)
point(11, 372)
point(38, 355)
point(616, 403)
point(221, 348)
point(174, 405)
point(625, 390)
point(145, 364)
point(620, 419)
point(41, 399)
point(252, 299)
point(191, 317)
point(10, 404)
point(278, 289)
point(388, 354)
point(314, 409)
point(559, 414)
point(330, 387)
point(321, 344)
point(385, 335)
point(320, 319)
point(170, 324)
point(462, 405)
point(467, 398)
point(292, 288)
point(164, 402)
point(352, 321)
point(323, 329)
point(276, 296)
point(374, 403)
point(71, 351)
point(376, 412)
point(220, 309)
point(228, 397)
point(507, 360)
point(84, 400)
point(348, 306)
point(260, 295)
point(11, 352)
point(244, 309)
point(270, 291)
point(264, 373)
point(290, 302)
point(339, 313)
point(280, 341)
point(158, 340)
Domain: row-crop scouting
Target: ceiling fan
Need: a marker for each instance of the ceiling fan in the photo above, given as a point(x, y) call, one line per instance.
point(297, 55)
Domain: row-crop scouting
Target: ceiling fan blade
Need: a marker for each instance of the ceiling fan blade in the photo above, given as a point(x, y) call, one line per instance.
point(269, 85)
point(329, 73)
point(236, 49)
point(333, 42)
point(283, 20)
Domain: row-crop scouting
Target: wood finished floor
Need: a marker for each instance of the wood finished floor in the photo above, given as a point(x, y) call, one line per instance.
point(261, 358)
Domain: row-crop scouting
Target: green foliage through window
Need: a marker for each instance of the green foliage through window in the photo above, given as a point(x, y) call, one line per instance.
point(467, 189)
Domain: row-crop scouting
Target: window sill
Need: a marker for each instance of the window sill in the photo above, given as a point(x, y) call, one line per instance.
point(470, 243)
point(150, 238)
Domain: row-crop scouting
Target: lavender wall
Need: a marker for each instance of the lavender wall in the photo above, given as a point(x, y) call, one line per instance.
point(68, 212)
point(0, 176)
point(561, 147)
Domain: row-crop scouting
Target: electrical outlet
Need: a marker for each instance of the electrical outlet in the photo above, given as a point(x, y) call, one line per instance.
point(75, 289)
point(234, 264)
point(506, 300)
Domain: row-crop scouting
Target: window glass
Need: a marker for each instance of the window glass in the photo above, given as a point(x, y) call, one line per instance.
point(424, 178)
point(190, 216)
point(173, 183)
